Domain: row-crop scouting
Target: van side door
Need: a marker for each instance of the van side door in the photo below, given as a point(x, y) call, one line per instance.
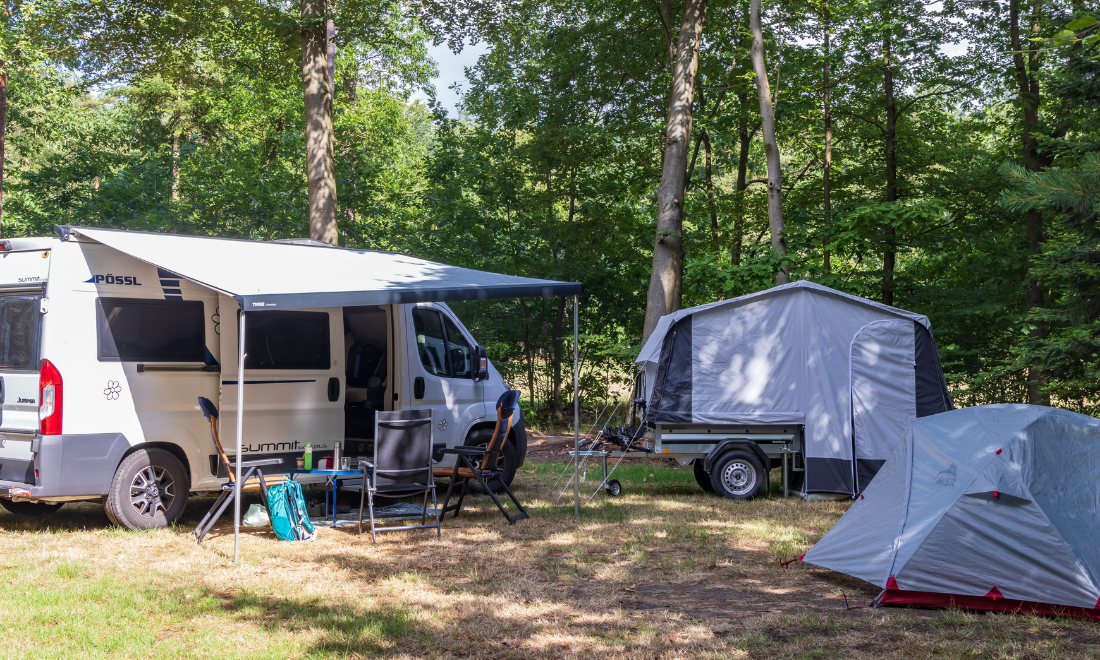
point(294, 381)
point(440, 368)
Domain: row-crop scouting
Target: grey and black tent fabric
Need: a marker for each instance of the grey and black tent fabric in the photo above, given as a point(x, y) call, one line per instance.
point(990, 507)
point(852, 371)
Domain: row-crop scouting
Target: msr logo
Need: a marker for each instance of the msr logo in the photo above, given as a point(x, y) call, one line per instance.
point(109, 278)
point(946, 477)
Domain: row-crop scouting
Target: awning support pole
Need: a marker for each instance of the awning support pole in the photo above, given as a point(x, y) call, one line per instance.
point(576, 415)
point(240, 435)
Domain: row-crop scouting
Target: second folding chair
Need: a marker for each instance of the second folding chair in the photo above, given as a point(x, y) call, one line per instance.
point(485, 465)
point(402, 467)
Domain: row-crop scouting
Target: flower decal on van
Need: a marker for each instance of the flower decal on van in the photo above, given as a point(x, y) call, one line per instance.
point(113, 390)
point(443, 425)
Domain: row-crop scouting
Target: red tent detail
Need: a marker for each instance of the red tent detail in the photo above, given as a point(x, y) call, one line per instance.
point(994, 593)
point(892, 583)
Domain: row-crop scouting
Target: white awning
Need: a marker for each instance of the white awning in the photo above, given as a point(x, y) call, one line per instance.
point(275, 275)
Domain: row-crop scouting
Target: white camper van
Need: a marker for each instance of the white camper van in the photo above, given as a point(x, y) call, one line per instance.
point(103, 357)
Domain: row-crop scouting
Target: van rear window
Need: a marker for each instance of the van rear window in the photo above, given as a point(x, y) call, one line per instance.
point(20, 323)
point(145, 330)
point(287, 340)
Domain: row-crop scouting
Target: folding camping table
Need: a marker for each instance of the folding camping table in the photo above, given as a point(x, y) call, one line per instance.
point(333, 478)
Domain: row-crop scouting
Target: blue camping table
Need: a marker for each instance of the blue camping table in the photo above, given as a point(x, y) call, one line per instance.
point(333, 478)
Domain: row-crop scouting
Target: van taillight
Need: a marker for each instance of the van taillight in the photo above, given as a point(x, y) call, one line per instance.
point(49, 393)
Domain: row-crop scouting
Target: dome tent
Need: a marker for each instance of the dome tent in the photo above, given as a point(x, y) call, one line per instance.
point(853, 372)
point(990, 507)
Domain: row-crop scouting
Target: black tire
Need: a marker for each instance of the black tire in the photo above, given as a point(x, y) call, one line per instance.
point(738, 475)
point(614, 488)
point(511, 461)
point(149, 490)
point(701, 475)
point(30, 509)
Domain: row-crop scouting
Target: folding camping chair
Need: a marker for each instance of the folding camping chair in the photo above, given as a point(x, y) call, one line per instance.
point(253, 475)
point(402, 467)
point(484, 464)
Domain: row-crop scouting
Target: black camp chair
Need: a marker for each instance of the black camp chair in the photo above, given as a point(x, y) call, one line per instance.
point(253, 476)
point(484, 464)
point(402, 467)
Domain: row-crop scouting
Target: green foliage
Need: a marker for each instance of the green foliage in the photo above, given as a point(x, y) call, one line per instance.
point(186, 116)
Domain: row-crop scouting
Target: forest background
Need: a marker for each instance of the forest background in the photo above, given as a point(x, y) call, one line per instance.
point(943, 157)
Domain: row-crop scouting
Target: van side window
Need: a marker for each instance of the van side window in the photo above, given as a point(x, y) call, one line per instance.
point(458, 350)
point(430, 342)
point(20, 323)
point(147, 330)
point(287, 340)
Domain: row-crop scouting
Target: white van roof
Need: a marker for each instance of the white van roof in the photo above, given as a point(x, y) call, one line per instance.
point(282, 275)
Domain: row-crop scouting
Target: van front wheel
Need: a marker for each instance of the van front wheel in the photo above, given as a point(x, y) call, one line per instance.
point(149, 490)
point(509, 460)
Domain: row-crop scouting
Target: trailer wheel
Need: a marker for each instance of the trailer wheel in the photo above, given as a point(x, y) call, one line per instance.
point(737, 475)
point(29, 509)
point(614, 488)
point(149, 490)
point(701, 475)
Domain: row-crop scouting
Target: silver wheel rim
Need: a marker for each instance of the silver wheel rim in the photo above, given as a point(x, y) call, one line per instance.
point(152, 491)
point(739, 478)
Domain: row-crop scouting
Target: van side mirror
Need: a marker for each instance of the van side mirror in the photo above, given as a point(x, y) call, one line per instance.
point(481, 364)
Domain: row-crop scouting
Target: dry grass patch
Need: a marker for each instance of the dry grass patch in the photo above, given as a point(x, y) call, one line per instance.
point(664, 571)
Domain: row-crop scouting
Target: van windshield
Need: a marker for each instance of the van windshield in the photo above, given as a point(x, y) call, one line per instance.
point(20, 323)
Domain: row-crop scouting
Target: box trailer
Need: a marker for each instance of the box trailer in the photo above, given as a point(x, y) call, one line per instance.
point(800, 374)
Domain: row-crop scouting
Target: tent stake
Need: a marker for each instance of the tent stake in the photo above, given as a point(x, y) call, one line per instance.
point(240, 432)
point(576, 416)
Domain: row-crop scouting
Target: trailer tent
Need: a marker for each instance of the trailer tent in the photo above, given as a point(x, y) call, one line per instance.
point(853, 372)
point(990, 507)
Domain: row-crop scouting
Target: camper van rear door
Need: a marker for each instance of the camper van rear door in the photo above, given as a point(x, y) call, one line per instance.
point(20, 332)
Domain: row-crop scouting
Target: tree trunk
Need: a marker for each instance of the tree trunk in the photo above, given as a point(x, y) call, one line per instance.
point(175, 164)
point(3, 130)
point(742, 185)
point(712, 205)
point(889, 233)
point(1034, 161)
point(320, 163)
point(827, 169)
point(666, 281)
point(771, 148)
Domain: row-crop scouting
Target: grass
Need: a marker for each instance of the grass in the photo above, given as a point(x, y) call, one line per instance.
point(663, 571)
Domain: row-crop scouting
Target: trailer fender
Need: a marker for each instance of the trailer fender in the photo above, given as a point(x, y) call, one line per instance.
point(738, 443)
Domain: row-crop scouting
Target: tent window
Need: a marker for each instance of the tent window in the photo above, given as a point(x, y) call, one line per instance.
point(20, 323)
point(143, 330)
point(430, 342)
point(287, 340)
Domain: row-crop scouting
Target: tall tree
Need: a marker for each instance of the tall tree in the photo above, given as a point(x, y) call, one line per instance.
point(320, 139)
point(827, 119)
point(890, 137)
point(666, 280)
point(771, 146)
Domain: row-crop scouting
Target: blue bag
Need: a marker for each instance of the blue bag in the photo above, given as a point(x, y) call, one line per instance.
point(289, 517)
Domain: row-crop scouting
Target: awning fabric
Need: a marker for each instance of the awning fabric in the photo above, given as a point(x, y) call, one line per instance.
point(274, 275)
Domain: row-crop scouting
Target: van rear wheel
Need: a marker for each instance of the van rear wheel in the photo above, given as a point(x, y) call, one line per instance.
point(29, 509)
point(149, 490)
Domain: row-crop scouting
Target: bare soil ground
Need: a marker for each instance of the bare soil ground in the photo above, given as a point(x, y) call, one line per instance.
point(663, 571)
